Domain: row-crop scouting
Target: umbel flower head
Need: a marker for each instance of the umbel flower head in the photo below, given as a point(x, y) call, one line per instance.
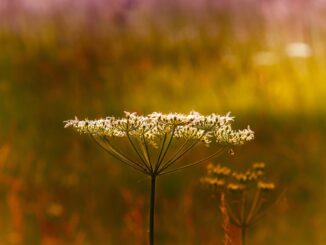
point(246, 194)
point(152, 136)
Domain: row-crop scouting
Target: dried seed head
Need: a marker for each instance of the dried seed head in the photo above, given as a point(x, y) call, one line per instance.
point(264, 186)
point(215, 182)
point(258, 166)
point(220, 171)
point(240, 177)
point(235, 187)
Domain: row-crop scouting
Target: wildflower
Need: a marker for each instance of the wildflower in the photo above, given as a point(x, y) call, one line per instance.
point(258, 166)
point(264, 186)
point(148, 133)
point(235, 187)
point(150, 138)
point(252, 176)
point(244, 195)
point(219, 170)
point(213, 182)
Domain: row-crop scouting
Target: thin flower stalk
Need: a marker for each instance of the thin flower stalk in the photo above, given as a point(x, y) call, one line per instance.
point(226, 220)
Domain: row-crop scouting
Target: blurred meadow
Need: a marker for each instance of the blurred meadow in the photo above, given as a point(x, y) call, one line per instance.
point(264, 61)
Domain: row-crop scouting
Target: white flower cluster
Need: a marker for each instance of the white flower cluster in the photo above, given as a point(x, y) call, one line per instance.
point(153, 127)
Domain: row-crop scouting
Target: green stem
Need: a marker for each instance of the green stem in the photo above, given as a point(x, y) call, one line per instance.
point(243, 235)
point(151, 211)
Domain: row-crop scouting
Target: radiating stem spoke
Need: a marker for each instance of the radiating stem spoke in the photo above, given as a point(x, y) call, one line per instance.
point(232, 214)
point(122, 155)
point(253, 207)
point(176, 154)
point(161, 151)
point(177, 157)
point(113, 154)
point(137, 151)
point(192, 164)
point(145, 152)
point(166, 149)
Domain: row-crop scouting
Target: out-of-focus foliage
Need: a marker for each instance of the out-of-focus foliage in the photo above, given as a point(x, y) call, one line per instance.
point(89, 58)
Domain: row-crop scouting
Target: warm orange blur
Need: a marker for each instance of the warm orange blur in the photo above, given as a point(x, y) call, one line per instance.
point(262, 60)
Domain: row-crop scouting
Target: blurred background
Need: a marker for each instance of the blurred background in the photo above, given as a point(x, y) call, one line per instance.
point(265, 61)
